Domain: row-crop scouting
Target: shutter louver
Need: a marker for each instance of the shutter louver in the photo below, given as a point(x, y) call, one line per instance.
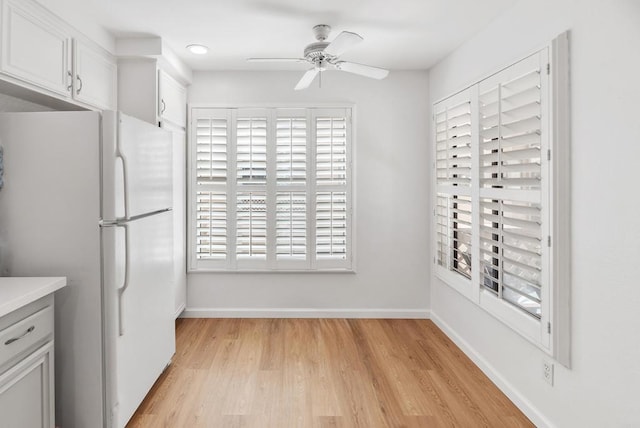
point(291, 146)
point(453, 233)
point(511, 252)
point(251, 225)
point(291, 225)
point(453, 145)
point(251, 151)
point(331, 151)
point(510, 132)
point(211, 225)
point(331, 225)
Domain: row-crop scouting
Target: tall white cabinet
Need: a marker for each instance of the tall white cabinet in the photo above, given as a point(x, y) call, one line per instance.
point(146, 90)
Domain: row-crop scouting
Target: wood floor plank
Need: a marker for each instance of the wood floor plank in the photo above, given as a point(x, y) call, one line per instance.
point(321, 373)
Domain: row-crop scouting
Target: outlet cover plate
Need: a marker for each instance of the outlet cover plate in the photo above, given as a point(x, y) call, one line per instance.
point(547, 372)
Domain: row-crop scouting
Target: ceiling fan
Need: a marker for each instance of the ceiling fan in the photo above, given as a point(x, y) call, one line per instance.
point(323, 55)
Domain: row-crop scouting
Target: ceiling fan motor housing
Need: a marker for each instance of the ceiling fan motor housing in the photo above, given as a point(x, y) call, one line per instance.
point(315, 51)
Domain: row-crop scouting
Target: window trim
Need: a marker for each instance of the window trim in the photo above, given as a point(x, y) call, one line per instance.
point(283, 266)
point(555, 194)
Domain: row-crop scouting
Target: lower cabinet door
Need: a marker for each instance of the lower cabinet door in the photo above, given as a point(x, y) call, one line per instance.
point(26, 391)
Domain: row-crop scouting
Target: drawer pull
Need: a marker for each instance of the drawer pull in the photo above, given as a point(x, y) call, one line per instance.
point(15, 339)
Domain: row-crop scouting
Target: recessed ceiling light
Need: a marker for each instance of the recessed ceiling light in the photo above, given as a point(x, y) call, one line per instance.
point(198, 49)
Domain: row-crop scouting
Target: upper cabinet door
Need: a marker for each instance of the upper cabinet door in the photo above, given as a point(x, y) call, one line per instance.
point(36, 47)
point(172, 100)
point(95, 76)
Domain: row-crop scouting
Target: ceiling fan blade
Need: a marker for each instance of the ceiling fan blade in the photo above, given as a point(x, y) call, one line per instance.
point(342, 43)
point(361, 69)
point(307, 79)
point(276, 60)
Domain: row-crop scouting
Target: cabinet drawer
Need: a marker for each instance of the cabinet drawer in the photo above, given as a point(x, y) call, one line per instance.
point(22, 335)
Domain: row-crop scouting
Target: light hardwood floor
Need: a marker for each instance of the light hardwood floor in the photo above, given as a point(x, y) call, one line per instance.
point(290, 373)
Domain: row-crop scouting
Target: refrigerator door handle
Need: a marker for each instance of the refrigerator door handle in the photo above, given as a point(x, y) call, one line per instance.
point(124, 176)
point(125, 284)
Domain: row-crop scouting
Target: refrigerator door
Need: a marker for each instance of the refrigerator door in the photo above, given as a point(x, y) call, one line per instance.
point(137, 167)
point(139, 307)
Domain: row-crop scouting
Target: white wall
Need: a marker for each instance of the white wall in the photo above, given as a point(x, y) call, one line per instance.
point(603, 386)
point(391, 198)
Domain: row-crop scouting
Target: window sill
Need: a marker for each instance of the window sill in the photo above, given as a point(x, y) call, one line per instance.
point(272, 271)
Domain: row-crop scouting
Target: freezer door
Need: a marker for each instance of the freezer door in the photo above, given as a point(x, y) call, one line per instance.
point(139, 309)
point(137, 167)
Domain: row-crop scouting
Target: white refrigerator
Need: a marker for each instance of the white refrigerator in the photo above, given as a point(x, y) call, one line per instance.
point(88, 196)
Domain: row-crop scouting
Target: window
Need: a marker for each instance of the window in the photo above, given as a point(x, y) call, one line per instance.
point(494, 195)
point(270, 189)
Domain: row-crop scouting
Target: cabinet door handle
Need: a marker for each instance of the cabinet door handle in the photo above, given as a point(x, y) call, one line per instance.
point(164, 106)
point(15, 339)
point(79, 81)
point(70, 80)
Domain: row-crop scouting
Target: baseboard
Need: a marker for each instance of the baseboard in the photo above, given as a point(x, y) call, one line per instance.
point(304, 313)
point(180, 310)
point(507, 388)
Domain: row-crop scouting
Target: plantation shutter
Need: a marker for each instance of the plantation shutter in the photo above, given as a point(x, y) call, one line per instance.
point(453, 233)
point(251, 149)
point(453, 143)
point(252, 197)
point(331, 147)
point(331, 225)
point(251, 225)
point(332, 167)
point(500, 226)
point(510, 124)
point(511, 182)
point(210, 129)
point(291, 225)
point(291, 144)
point(511, 252)
point(292, 200)
point(453, 167)
point(270, 189)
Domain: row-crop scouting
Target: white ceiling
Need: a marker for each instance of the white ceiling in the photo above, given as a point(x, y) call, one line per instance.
point(398, 34)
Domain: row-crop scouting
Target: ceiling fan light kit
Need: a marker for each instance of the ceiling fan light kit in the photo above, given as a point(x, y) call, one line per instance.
point(324, 55)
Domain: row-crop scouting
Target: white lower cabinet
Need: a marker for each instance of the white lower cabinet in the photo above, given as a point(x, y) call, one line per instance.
point(26, 391)
point(26, 367)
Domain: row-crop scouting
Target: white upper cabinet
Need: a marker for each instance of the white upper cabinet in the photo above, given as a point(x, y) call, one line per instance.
point(172, 100)
point(95, 76)
point(41, 52)
point(36, 48)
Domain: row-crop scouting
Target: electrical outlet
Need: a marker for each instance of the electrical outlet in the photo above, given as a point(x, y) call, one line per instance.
point(547, 372)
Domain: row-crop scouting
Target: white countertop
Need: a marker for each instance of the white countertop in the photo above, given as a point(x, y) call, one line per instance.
point(16, 292)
